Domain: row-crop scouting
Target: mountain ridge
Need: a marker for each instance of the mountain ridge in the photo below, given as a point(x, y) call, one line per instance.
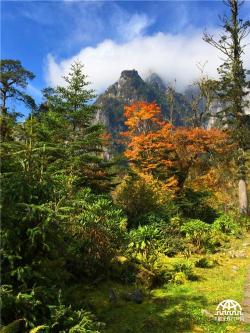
point(130, 87)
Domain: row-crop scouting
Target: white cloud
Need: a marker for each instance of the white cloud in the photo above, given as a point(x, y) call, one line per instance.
point(171, 56)
point(131, 27)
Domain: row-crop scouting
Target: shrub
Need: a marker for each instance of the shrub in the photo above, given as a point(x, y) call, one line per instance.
point(36, 307)
point(204, 263)
point(143, 241)
point(74, 241)
point(27, 304)
point(160, 235)
point(227, 225)
point(143, 200)
point(145, 234)
point(243, 221)
point(155, 218)
point(136, 198)
point(217, 239)
point(176, 222)
point(98, 229)
point(193, 205)
point(197, 232)
point(65, 319)
point(171, 245)
point(151, 271)
point(186, 268)
point(144, 248)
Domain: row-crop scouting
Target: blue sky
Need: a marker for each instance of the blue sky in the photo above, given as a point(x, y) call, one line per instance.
point(107, 36)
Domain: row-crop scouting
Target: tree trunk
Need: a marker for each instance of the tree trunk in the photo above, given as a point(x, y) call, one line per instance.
point(243, 202)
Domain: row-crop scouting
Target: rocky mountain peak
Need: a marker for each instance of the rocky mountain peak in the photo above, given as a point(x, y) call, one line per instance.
point(129, 88)
point(156, 82)
point(129, 83)
point(129, 74)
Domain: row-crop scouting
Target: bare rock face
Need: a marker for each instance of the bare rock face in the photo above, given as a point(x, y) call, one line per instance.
point(129, 88)
point(156, 82)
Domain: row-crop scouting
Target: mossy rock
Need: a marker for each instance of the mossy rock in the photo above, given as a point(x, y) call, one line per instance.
point(145, 278)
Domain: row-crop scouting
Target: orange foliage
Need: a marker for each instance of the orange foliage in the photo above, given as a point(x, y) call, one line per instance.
point(148, 145)
point(222, 181)
point(154, 146)
point(193, 143)
point(142, 117)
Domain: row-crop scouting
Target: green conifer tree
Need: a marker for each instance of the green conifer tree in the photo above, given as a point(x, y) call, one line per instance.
point(69, 122)
point(232, 89)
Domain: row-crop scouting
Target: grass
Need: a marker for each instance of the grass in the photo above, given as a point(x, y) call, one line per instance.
point(174, 308)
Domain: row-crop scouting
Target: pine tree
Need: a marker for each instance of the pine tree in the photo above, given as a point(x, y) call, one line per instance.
point(13, 81)
point(232, 89)
point(14, 78)
point(69, 123)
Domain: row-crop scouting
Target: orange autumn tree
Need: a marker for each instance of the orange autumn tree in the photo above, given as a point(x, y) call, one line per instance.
point(148, 144)
point(193, 146)
point(157, 148)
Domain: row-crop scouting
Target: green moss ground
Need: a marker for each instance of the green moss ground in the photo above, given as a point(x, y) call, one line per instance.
point(174, 308)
